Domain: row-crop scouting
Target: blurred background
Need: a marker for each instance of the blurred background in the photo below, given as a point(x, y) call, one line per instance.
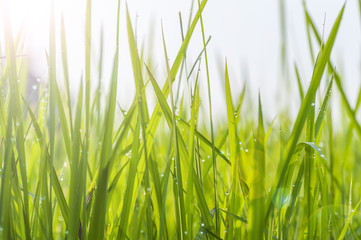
point(248, 33)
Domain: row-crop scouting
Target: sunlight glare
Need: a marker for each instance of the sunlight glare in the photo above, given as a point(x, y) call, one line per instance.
point(33, 15)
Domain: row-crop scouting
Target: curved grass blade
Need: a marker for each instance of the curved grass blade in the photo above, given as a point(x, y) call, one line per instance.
point(304, 110)
point(56, 184)
point(337, 78)
point(349, 219)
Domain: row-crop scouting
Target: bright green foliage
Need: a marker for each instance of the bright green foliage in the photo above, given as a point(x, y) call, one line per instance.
point(81, 170)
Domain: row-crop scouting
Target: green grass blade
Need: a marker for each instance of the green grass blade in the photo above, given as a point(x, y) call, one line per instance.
point(123, 225)
point(63, 121)
point(179, 180)
point(64, 56)
point(52, 101)
point(300, 89)
point(56, 184)
point(337, 78)
point(305, 107)
point(183, 152)
point(74, 197)
point(233, 151)
point(322, 111)
point(344, 229)
point(14, 111)
point(97, 222)
point(257, 183)
point(211, 126)
point(191, 147)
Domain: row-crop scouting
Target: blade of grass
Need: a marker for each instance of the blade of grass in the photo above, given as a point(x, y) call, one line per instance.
point(211, 126)
point(322, 111)
point(344, 229)
point(191, 147)
point(167, 113)
point(52, 100)
point(337, 78)
point(233, 152)
point(304, 110)
point(56, 184)
point(64, 56)
point(123, 225)
point(300, 89)
point(75, 198)
point(179, 180)
point(13, 116)
point(97, 222)
point(257, 187)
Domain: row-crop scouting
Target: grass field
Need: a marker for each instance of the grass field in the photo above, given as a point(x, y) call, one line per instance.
point(82, 167)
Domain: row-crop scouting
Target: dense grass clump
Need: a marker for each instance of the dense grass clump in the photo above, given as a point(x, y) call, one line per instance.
point(74, 167)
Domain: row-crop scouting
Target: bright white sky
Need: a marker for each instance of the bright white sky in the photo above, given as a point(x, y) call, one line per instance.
point(246, 32)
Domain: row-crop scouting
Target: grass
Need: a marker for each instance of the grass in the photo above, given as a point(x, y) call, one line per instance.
point(73, 168)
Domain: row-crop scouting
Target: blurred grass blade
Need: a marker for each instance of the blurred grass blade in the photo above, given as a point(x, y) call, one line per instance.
point(97, 222)
point(233, 152)
point(74, 197)
point(300, 89)
point(64, 56)
point(257, 183)
point(133, 164)
point(56, 184)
